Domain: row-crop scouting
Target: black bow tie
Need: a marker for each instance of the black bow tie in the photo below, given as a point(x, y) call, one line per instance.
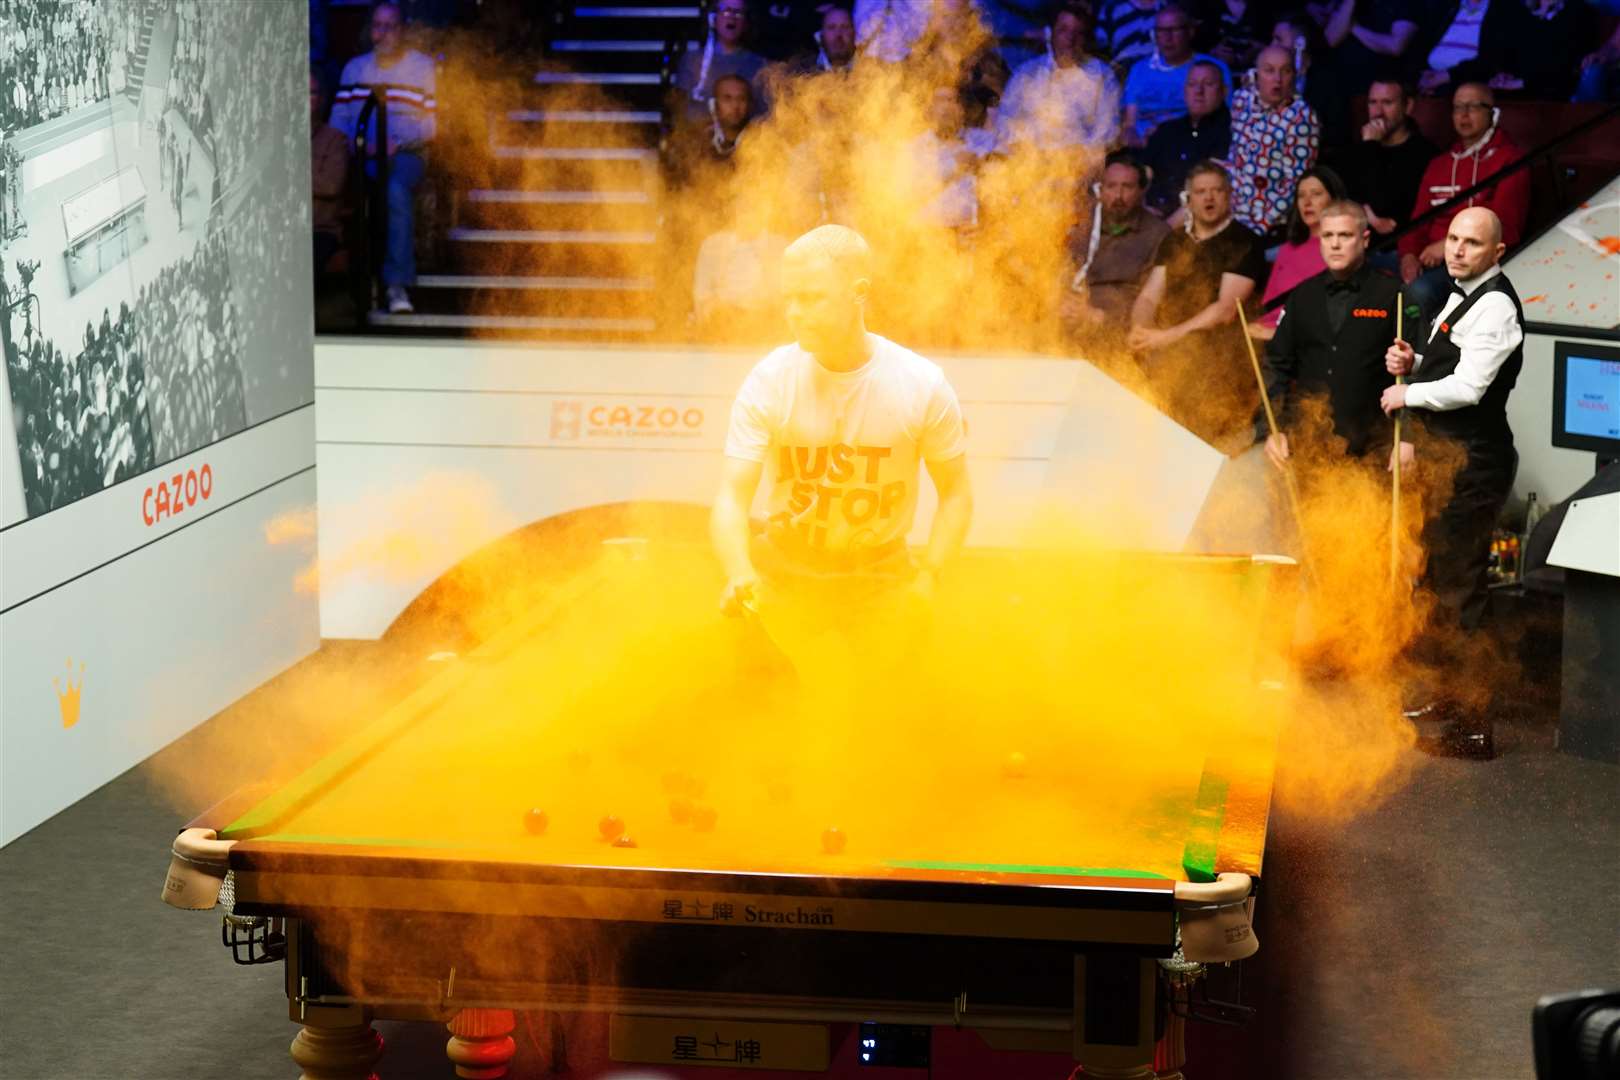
point(1348, 285)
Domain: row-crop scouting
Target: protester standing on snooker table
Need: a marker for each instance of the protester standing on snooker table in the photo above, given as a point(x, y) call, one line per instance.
point(840, 420)
point(1331, 341)
point(1459, 388)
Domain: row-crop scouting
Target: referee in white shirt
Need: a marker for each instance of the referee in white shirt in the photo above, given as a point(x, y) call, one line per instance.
point(1460, 382)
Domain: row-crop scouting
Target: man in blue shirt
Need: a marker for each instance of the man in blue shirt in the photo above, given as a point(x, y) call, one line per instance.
point(1155, 87)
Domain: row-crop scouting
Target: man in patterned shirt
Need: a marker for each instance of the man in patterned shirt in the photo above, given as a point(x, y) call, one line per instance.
point(1275, 136)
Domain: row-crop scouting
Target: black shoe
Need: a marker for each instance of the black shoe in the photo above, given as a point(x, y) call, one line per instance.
point(1469, 737)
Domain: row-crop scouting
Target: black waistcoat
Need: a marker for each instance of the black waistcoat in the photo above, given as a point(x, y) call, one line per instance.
point(1348, 364)
point(1482, 427)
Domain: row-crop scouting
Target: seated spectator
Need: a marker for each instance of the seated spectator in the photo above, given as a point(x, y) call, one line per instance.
point(723, 53)
point(1300, 256)
point(1529, 48)
point(1065, 98)
point(835, 44)
point(1365, 38)
point(700, 154)
point(1297, 32)
point(1183, 324)
point(886, 30)
point(1127, 29)
point(1155, 90)
point(1480, 152)
point(1237, 33)
point(1275, 136)
point(1112, 252)
point(1175, 145)
point(1458, 44)
point(945, 165)
point(329, 168)
point(1384, 167)
point(736, 294)
point(407, 79)
point(1600, 72)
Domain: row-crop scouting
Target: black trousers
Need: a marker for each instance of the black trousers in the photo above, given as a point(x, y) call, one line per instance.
point(1459, 538)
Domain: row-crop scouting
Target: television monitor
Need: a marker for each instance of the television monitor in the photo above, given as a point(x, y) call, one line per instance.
point(1586, 398)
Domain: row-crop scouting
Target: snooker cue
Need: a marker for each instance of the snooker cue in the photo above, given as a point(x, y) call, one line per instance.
point(1395, 467)
point(1289, 483)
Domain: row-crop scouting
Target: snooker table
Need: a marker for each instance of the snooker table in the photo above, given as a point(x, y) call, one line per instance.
point(1027, 844)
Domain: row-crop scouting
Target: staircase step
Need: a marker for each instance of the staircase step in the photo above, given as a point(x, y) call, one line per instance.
point(544, 284)
point(577, 45)
point(520, 323)
point(551, 236)
point(597, 78)
point(573, 210)
point(584, 116)
point(625, 12)
point(572, 173)
point(577, 153)
point(485, 195)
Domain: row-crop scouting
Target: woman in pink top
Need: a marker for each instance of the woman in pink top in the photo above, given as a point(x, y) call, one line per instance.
point(1300, 256)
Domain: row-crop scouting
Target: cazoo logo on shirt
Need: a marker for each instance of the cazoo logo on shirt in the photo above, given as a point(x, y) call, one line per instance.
point(574, 419)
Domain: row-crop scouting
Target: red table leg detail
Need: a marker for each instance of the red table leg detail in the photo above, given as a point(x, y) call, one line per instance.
point(481, 1043)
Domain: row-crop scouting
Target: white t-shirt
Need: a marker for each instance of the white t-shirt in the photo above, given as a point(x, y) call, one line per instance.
point(841, 449)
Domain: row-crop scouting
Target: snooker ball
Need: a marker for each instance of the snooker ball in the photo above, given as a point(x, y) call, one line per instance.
point(704, 818)
point(611, 827)
point(833, 840)
point(680, 810)
point(535, 821)
point(624, 841)
point(1016, 767)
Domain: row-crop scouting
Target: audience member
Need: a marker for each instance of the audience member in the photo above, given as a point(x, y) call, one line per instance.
point(329, 168)
point(735, 291)
point(723, 53)
point(1065, 98)
point(886, 30)
point(1528, 48)
point(945, 164)
point(1458, 44)
point(834, 41)
point(1175, 145)
point(406, 79)
point(700, 154)
point(1237, 32)
point(1155, 89)
point(1600, 71)
point(1183, 324)
point(1365, 38)
point(1384, 167)
point(1112, 251)
point(1480, 152)
point(1127, 29)
point(1297, 32)
point(1300, 256)
point(1275, 137)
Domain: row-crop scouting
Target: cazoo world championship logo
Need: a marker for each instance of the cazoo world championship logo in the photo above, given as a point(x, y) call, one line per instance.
point(573, 420)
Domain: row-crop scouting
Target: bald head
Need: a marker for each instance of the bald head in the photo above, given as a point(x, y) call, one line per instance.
point(1473, 243)
point(1274, 76)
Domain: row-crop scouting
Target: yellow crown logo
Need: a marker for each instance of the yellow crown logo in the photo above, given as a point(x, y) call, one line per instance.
point(67, 694)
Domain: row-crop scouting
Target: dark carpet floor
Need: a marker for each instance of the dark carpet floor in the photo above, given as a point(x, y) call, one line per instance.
point(1410, 943)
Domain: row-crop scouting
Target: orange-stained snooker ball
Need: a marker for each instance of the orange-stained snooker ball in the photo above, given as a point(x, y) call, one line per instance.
point(535, 822)
point(611, 827)
point(1015, 767)
point(624, 841)
point(704, 818)
point(833, 840)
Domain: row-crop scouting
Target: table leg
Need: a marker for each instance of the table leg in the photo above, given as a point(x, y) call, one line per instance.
point(481, 1043)
point(346, 1052)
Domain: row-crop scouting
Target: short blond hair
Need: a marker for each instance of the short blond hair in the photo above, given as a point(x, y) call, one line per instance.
point(840, 245)
point(1345, 208)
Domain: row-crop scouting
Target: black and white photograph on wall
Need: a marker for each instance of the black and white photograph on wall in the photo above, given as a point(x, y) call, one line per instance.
point(154, 269)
